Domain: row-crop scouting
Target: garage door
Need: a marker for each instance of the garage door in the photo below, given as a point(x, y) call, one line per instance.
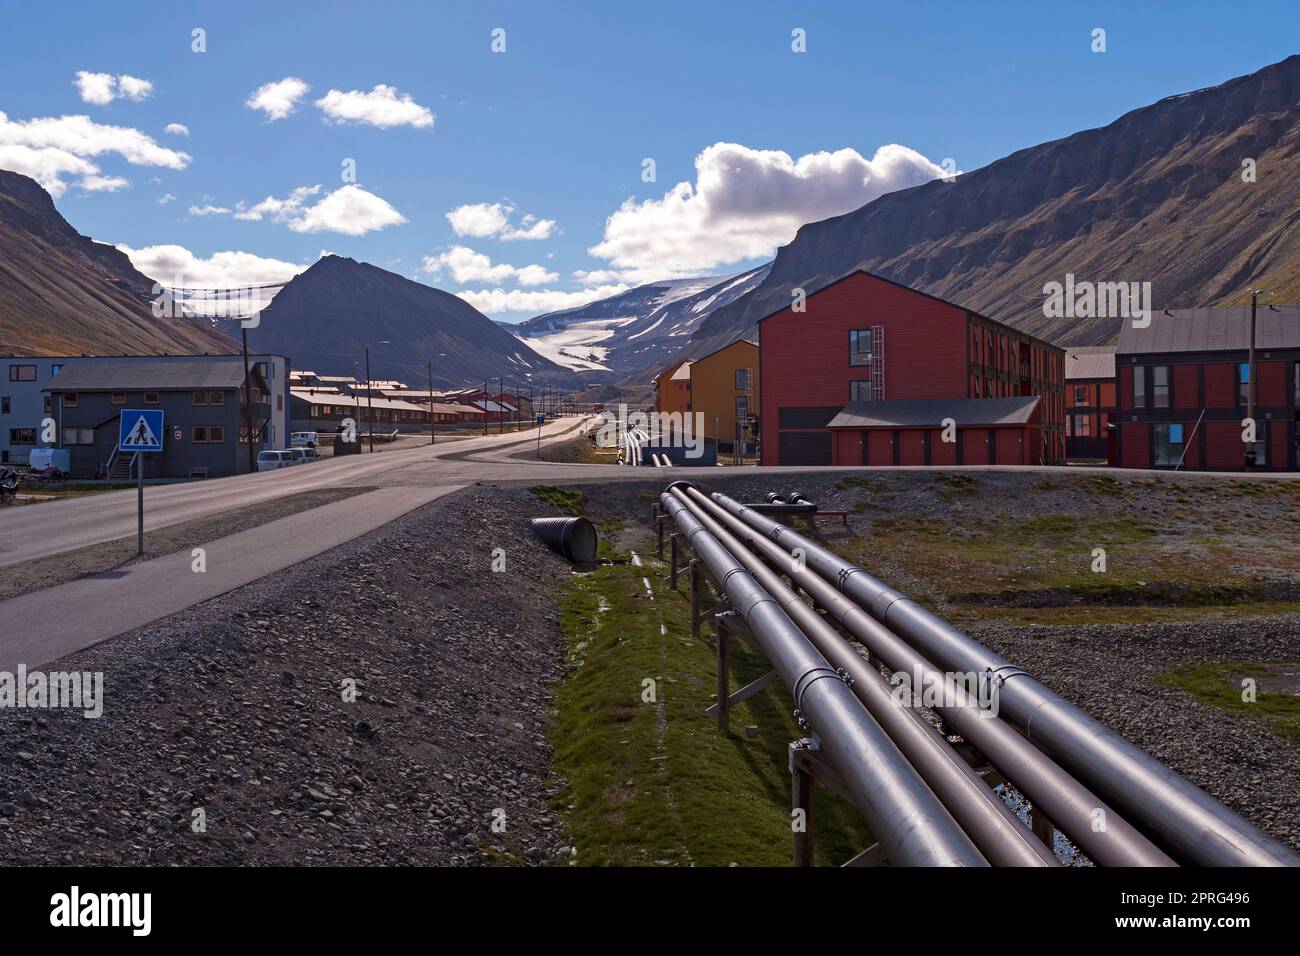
point(805, 448)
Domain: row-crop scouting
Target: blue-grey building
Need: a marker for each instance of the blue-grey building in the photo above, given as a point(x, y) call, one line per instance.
point(26, 403)
point(205, 423)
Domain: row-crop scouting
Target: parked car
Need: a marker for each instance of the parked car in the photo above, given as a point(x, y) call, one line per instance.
point(298, 455)
point(271, 460)
point(303, 440)
point(312, 454)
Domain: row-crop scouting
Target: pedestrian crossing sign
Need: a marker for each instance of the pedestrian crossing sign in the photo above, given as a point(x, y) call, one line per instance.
point(141, 430)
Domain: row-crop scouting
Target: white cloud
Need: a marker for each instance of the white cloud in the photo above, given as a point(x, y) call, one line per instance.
point(96, 88)
point(465, 265)
point(280, 210)
point(534, 302)
point(102, 88)
point(277, 100)
point(208, 210)
point(483, 220)
point(133, 88)
point(49, 149)
point(746, 202)
point(165, 198)
point(221, 270)
point(349, 210)
point(177, 129)
point(380, 107)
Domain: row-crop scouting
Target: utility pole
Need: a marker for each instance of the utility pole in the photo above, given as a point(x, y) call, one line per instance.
point(486, 403)
point(370, 404)
point(1250, 385)
point(501, 415)
point(248, 405)
point(433, 438)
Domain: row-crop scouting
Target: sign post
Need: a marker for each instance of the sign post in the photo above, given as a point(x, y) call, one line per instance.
point(541, 419)
point(140, 430)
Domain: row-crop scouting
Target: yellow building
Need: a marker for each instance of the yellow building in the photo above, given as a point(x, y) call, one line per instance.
point(724, 389)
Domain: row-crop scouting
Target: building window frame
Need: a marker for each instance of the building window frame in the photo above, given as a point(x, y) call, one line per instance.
point(151, 398)
point(744, 379)
point(1140, 387)
point(1162, 395)
point(858, 357)
point(71, 400)
point(117, 398)
point(1168, 443)
point(22, 373)
point(860, 390)
point(22, 436)
point(1081, 395)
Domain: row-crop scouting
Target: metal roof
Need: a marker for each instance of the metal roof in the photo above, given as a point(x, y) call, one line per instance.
point(160, 374)
point(1089, 361)
point(1213, 330)
point(930, 412)
point(317, 397)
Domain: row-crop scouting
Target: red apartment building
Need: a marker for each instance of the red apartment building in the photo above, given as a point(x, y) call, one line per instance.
point(870, 371)
point(1090, 403)
point(1183, 389)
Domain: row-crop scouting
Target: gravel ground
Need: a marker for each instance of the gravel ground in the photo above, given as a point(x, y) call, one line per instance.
point(235, 708)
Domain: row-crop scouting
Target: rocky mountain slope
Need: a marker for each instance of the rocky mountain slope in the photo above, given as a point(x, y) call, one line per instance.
point(610, 338)
point(63, 293)
point(1161, 195)
point(324, 318)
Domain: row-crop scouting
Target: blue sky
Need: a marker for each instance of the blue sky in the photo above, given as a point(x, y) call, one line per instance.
point(557, 126)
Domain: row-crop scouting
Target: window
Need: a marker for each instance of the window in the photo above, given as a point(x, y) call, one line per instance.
point(744, 379)
point(1297, 384)
point(1081, 394)
point(860, 390)
point(78, 436)
point(860, 347)
point(1160, 386)
point(151, 398)
point(4, 405)
point(55, 369)
point(200, 398)
point(264, 371)
point(216, 433)
point(977, 388)
point(71, 400)
point(1243, 383)
point(1081, 423)
point(22, 436)
point(1139, 387)
point(1169, 443)
point(118, 398)
point(742, 408)
point(209, 434)
point(22, 373)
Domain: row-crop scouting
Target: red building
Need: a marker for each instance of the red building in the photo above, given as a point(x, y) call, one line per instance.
point(873, 372)
point(1184, 389)
point(1090, 403)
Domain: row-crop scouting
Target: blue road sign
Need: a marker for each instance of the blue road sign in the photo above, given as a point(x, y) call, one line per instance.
point(541, 419)
point(141, 430)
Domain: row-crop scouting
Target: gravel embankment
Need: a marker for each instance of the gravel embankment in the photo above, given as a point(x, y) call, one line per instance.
point(235, 707)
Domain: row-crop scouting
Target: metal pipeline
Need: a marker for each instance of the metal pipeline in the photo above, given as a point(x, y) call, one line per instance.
point(1188, 822)
point(907, 818)
point(994, 828)
point(1067, 803)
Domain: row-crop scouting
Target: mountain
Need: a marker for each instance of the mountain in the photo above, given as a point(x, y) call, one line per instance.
point(62, 293)
point(1157, 196)
point(611, 338)
point(324, 317)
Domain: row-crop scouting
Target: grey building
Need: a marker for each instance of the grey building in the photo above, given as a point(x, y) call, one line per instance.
point(203, 415)
point(25, 403)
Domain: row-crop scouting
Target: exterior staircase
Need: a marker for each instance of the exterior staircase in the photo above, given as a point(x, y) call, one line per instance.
point(121, 467)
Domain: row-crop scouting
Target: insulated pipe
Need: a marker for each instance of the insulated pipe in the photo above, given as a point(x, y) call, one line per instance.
point(908, 819)
point(998, 832)
point(1189, 822)
point(1066, 802)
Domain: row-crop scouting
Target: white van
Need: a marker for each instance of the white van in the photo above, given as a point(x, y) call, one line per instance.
point(297, 456)
point(303, 440)
point(271, 460)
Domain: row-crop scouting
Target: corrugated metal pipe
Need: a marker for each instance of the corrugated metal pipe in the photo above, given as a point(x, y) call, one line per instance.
point(912, 825)
point(1187, 822)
